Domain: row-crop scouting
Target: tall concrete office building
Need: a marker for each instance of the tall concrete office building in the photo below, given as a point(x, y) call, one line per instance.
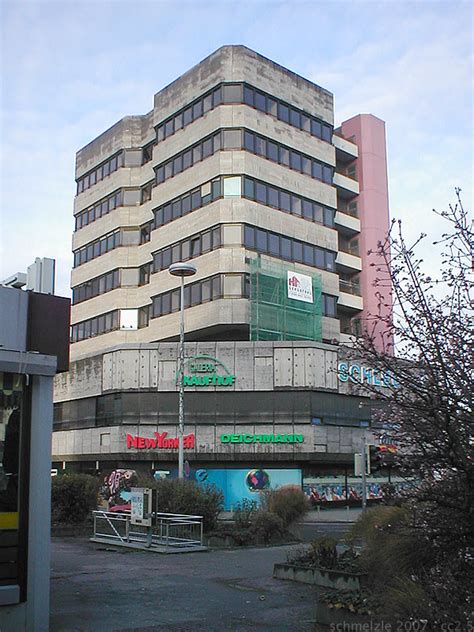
point(237, 168)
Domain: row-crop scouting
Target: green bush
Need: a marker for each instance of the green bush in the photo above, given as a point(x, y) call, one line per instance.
point(73, 497)
point(266, 526)
point(289, 503)
point(244, 512)
point(187, 497)
point(394, 557)
point(323, 553)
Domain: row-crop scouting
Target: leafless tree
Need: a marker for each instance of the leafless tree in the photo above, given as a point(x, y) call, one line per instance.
point(426, 344)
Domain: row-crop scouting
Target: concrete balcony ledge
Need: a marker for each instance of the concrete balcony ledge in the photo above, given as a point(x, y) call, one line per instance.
point(347, 339)
point(348, 223)
point(346, 151)
point(350, 301)
point(350, 262)
point(346, 187)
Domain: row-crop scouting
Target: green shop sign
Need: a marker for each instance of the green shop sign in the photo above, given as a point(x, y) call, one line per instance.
point(262, 438)
point(204, 370)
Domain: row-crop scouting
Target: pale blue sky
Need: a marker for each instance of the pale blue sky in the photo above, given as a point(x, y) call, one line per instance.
point(72, 69)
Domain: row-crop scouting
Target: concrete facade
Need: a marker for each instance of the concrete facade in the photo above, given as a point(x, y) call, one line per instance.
point(134, 135)
point(279, 388)
point(236, 146)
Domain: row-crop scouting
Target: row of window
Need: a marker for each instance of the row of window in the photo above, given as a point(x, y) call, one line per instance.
point(287, 202)
point(237, 139)
point(187, 202)
point(257, 239)
point(95, 326)
point(187, 249)
point(243, 93)
point(99, 209)
point(97, 248)
point(283, 155)
point(209, 289)
point(101, 172)
point(237, 186)
point(95, 287)
point(186, 159)
point(196, 293)
point(275, 245)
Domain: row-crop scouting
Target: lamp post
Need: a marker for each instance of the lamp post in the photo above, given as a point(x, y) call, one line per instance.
point(181, 270)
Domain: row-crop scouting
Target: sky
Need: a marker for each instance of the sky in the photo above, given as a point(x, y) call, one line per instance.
point(70, 70)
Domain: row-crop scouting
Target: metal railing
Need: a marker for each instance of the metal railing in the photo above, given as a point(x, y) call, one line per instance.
point(347, 209)
point(350, 249)
point(168, 530)
point(350, 287)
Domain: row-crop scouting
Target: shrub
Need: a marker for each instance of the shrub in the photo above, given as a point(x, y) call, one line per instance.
point(73, 497)
point(395, 558)
point(289, 503)
point(187, 497)
point(267, 526)
point(244, 512)
point(323, 553)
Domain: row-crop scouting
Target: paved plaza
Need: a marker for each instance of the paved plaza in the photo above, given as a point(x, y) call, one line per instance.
point(93, 588)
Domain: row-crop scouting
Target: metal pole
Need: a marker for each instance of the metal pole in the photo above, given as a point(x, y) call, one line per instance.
point(181, 387)
point(364, 472)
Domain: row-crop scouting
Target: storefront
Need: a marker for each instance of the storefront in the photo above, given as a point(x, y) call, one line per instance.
point(257, 416)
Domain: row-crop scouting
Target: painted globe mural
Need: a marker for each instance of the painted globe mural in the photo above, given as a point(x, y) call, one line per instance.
point(257, 480)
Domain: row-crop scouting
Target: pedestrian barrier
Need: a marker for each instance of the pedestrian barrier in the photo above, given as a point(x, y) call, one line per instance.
point(168, 531)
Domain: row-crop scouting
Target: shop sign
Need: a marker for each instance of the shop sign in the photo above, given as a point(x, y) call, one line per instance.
point(159, 441)
point(300, 286)
point(204, 370)
point(262, 438)
point(365, 375)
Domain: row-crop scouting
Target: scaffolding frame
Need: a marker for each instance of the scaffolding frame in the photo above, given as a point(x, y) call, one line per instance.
point(274, 316)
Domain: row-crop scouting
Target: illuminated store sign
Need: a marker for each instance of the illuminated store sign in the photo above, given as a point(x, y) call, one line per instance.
point(204, 370)
point(365, 375)
point(159, 441)
point(300, 287)
point(262, 438)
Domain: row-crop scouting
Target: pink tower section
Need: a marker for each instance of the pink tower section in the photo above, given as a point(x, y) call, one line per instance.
point(368, 132)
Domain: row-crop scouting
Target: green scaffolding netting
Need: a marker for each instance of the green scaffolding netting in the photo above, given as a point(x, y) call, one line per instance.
point(275, 316)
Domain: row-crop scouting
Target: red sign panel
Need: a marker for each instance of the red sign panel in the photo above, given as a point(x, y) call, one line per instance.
point(160, 441)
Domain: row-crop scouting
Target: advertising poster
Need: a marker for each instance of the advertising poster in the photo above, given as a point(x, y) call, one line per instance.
point(300, 287)
point(247, 483)
point(327, 489)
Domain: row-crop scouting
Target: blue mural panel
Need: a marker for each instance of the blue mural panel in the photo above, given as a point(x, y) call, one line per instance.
point(247, 483)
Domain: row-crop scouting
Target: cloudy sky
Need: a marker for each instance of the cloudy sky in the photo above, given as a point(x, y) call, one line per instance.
point(70, 69)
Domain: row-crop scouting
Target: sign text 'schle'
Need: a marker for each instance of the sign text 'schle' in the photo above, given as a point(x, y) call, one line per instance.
point(358, 374)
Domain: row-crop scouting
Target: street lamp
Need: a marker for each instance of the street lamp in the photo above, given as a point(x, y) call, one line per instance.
point(181, 270)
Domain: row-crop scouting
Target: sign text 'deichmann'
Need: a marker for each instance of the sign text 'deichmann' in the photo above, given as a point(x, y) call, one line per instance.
point(262, 438)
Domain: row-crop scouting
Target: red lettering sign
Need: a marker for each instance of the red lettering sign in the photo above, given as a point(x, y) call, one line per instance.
point(160, 441)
